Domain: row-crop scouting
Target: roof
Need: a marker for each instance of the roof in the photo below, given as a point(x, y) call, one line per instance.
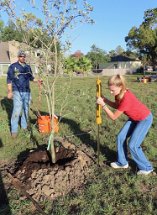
point(121, 58)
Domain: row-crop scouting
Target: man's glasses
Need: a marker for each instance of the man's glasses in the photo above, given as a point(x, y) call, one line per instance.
point(22, 56)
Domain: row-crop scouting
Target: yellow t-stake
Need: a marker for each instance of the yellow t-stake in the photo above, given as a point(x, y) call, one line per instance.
point(98, 115)
point(98, 108)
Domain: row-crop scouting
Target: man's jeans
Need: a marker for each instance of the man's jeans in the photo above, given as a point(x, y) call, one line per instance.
point(21, 101)
point(137, 132)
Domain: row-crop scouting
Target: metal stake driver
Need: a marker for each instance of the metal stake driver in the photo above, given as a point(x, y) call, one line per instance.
point(98, 115)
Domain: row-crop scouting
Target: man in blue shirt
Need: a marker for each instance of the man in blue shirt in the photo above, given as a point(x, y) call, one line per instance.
point(18, 83)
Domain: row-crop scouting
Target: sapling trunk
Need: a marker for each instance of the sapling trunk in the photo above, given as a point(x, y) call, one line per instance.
point(53, 150)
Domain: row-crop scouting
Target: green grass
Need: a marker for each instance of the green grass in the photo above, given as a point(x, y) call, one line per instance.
point(111, 192)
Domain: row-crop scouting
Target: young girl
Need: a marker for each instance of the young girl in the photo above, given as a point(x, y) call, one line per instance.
point(136, 127)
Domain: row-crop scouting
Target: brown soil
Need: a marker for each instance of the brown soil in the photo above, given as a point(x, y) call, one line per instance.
point(42, 179)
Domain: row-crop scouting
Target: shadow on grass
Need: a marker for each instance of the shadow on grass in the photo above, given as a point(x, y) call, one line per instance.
point(88, 140)
point(30, 129)
point(7, 105)
point(1, 144)
point(4, 202)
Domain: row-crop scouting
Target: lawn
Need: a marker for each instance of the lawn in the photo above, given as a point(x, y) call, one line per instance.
point(108, 191)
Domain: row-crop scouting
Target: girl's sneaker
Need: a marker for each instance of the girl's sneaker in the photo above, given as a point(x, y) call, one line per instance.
point(116, 165)
point(144, 172)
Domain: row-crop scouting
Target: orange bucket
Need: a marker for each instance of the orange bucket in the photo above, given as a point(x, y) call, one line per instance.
point(44, 124)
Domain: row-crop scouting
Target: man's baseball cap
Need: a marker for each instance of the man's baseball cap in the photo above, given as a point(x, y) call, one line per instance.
point(21, 53)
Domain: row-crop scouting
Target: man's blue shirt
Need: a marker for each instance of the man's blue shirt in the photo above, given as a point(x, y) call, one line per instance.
point(19, 76)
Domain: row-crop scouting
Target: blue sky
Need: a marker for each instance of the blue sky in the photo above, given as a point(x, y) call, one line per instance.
point(113, 20)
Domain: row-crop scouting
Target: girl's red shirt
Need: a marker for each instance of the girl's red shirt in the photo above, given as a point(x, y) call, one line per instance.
point(132, 107)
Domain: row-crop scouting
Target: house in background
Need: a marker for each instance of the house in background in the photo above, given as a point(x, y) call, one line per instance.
point(123, 62)
point(4, 57)
point(120, 65)
point(8, 55)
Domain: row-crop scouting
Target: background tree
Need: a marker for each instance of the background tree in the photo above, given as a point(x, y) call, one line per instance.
point(77, 54)
point(144, 38)
point(131, 54)
point(1, 29)
point(119, 50)
point(10, 32)
point(112, 53)
point(79, 65)
point(97, 56)
point(83, 65)
point(69, 65)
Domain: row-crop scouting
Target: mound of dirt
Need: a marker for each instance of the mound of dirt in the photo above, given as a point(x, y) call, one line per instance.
point(42, 179)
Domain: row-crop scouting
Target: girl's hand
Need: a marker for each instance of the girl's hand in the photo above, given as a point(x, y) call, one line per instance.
point(103, 97)
point(100, 101)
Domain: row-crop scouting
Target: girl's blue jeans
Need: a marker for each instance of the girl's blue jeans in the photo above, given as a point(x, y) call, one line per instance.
point(21, 101)
point(136, 131)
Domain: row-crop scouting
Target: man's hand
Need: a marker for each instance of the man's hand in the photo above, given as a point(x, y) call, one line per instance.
point(40, 81)
point(10, 95)
point(10, 92)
